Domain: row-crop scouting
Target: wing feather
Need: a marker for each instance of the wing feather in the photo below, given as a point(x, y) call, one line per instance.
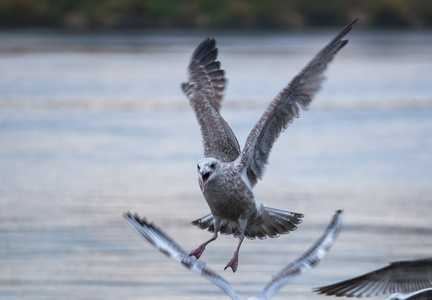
point(307, 261)
point(169, 247)
point(286, 107)
point(398, 277)
point(204, 89)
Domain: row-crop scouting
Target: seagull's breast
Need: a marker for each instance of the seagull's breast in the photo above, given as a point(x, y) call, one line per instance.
point(229, 195)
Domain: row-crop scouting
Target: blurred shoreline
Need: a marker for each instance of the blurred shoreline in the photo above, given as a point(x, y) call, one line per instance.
point(227, 15)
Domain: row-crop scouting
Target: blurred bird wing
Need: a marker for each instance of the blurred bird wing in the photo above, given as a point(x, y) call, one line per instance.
point(398, 277)
point(307, 261)
point(170, 248)
point(204, 89)
point(286, 107)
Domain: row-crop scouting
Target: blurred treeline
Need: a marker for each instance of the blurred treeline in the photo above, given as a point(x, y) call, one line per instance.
point(222, 14)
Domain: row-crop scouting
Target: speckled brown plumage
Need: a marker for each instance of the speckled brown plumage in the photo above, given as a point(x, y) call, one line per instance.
point(227, 174)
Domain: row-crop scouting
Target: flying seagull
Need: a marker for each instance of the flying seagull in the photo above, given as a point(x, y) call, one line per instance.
point(304, 263)
point(402, 277)
point(227, 174)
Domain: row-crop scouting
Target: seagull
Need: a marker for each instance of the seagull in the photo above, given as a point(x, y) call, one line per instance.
point(410, 279)
point(227, 174)
point(170, 248)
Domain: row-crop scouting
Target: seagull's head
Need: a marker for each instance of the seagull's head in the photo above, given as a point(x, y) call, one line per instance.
point(207, 170)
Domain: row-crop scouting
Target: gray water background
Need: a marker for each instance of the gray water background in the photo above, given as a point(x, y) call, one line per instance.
point(92, 125)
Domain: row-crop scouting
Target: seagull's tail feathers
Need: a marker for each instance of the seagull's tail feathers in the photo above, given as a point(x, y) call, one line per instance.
point(272, 222)
point(226, 227)
point(205, 222)
point(268, 222)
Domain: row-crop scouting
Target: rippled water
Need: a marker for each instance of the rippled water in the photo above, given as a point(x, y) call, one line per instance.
point(95, 125)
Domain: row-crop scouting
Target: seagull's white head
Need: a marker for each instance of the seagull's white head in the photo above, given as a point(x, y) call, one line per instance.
point(207, 171)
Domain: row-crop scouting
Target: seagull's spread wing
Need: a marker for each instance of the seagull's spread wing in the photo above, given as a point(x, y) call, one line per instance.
point(398, 277)
point(307, 261)
point(169, 247)
point(286, 106)
point(204, 89)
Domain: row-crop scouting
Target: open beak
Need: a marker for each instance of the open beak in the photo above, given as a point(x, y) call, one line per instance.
point(204, 178)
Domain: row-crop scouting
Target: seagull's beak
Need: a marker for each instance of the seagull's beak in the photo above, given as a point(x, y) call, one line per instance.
point(204, 177)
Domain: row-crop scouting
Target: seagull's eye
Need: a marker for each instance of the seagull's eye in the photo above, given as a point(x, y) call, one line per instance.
point(212, 165)
point(198, 167)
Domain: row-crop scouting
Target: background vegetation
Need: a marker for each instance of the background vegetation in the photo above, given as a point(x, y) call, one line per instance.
point(224, 14)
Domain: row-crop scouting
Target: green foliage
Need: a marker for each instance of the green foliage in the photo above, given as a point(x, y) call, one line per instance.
point(240, 14)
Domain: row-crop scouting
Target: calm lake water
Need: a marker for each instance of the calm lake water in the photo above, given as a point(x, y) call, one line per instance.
point(95, 125)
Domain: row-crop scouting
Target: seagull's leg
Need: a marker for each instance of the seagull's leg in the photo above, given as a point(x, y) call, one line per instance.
point(233, 263)
point(198, 251)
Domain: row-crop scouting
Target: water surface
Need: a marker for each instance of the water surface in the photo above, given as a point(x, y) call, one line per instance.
point(95, 125)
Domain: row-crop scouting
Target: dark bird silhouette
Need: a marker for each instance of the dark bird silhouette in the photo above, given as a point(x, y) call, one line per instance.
point(402, 277)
